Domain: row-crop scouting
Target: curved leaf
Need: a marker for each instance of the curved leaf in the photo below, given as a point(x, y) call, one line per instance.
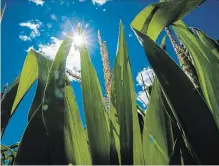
point(207, 66)
point(190, 109)
point(209, 42)
point(19, 88)
point(36, 146)
point(28, 76)
point(6, 104)
point(44, 64)
point(155, 17)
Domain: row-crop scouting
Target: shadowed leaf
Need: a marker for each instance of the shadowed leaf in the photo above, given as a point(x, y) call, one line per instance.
point(190, 109)
point(157, 134)
point(206, 64)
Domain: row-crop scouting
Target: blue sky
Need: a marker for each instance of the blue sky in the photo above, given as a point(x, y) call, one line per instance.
point(32, 23)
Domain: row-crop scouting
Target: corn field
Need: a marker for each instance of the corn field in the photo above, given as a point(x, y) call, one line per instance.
point(179, 127)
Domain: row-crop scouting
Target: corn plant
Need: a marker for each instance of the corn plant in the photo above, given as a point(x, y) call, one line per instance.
point(180, 125)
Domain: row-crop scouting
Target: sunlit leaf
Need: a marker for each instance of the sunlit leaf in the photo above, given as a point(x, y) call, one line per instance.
point(27, 78)
point(123, 100)
point(34, 146)
point(74, 133)
point(209, 42)
point(53, 107)
point(206, 64)
point(44, 64)
point(19, 88)
point(155, 17)
point(95, 112)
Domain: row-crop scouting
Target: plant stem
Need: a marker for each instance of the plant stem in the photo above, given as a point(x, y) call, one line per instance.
point(185, 62)
point(74, 76)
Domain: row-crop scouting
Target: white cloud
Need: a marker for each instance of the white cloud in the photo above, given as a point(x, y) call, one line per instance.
point(73, 60)
point(24, 38)
point(86, 25)
point(38, 2)
point(34, 26)
point(148, 76)
point(49, 25)
point(53, 17)
point(99, 2)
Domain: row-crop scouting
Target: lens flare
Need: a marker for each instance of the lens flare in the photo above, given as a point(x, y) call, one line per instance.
point(78, 40)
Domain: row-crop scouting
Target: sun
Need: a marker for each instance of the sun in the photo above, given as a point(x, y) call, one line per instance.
point(78, 40)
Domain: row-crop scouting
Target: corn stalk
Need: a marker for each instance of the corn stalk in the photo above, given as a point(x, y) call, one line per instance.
point(184, 59)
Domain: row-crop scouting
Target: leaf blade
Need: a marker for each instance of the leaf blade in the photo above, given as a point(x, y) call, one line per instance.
point(165, 69)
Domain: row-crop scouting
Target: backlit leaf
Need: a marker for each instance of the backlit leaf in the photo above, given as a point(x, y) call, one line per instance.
point(155, 17)
point(206, 64)
point(123, 100)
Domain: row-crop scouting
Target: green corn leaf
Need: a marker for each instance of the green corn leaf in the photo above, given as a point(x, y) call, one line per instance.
point(34, 145)
point(74, 133)
point(189, 107)
point(34, 148)
point(206, 64)
point(44, 64)
point(115, 158)
point(19, 88)
point(53, 106)
point(28, 76)
point(123, 100)
point(155, 17)
point(95, 112)
point(175, 158)
point(157, 134)
point(6, 104)
point(115, 137)
point(209, 42)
